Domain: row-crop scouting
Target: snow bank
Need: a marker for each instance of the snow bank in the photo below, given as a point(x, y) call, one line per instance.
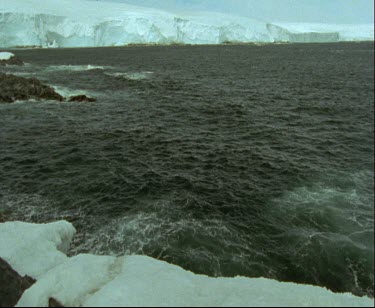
point(81, 23)
point(71, 283)
point(89, 280)
point(34, 249)
point(144, 281)
point(6, 56)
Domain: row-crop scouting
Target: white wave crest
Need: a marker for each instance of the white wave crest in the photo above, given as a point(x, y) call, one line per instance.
point(67, 92)
point(75, 68)
point(131, 76)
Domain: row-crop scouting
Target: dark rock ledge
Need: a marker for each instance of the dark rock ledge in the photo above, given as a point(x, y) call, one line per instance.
point(13, 88)
point(2, 217)
point(12, 286)
point(12, 61)
point(81, 98)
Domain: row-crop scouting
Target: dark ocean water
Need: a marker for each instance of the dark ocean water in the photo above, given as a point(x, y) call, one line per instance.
point(225, 160)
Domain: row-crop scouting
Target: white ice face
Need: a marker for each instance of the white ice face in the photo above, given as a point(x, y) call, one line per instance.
point(347, 32)
point(80, 23)
point(89, 280)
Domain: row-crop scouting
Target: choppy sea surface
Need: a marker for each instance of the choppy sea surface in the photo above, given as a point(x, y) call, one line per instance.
point(225, 160)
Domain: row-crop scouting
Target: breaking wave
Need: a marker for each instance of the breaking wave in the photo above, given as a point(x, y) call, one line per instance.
point(131, 76)
point(68, 92)
point(75, 68)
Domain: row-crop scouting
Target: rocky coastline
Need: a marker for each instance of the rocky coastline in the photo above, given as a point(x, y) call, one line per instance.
point(12, 285)
point(15, 88)
point(8, 58)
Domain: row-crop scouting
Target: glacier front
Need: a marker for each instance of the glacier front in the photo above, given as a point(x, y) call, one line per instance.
point(38, 250)
point(81, 23)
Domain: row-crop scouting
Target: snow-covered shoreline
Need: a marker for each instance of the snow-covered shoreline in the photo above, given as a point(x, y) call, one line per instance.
point(39, 251)
point(68, 23)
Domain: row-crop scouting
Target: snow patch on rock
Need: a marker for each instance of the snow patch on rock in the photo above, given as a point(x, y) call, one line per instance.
point(4, 56)
point(33, 249)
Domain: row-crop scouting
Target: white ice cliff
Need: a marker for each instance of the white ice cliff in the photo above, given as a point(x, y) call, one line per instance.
point(90, 280)
point(345, 32)
point(82, 23)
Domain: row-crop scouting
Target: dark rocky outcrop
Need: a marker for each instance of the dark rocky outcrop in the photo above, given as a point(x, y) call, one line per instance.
point(14, 88)
point(12, 61)
point(2, 218)
point(81, 98)
point(54, 303)
point(12, 285)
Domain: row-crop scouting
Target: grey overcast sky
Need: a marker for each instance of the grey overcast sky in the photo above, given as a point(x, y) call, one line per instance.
point(325, 11)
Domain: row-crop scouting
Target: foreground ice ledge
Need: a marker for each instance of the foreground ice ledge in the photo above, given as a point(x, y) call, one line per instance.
point(38, 250)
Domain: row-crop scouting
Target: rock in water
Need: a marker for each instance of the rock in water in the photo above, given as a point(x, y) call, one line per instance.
point(14, 88)
point(2, 218)
point(7, 58)
point(54, 303)
point(12, 61)
point(12, 285)
point(81, 98)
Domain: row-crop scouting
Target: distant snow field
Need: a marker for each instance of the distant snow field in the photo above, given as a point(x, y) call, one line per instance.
point(80, 23)
point(38, 250)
